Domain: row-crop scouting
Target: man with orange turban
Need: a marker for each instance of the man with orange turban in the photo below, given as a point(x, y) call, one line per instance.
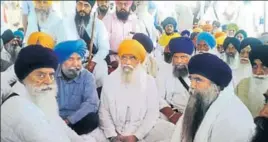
point(128, 86)
point(43, 19)
point(42, 39)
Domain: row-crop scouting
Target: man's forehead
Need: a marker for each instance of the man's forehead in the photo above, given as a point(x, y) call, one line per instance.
point(197, 76)
point(75, 55)
point(44, 70)
point(181, 54)
point(83, 2)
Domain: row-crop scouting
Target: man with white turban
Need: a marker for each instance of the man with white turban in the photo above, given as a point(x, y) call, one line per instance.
point(212, 114)
point(121, 119)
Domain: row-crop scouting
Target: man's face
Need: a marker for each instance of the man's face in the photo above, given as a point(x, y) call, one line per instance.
point(42, 9)
point(41, 78)
point(202, 47)
point(72, 67)
point(103, 6)
point(259, 70)
point(128, 64)
point(83, 8)
point(180, 64)
point(12, 47)
point(244, 55)
point(202, 94)
point(169, 29)
point(239, 37)
point(220, 49)
point(122, 10)
point(231, 51)
point(231, 33)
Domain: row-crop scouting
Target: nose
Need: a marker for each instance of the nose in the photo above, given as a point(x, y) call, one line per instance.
point(48, 80)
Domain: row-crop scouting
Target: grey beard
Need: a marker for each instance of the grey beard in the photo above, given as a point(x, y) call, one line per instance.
point(42, 16)
point(180, 71)
point(71, 73)
point(13, 50)
point(196, 109)
point(81, 28)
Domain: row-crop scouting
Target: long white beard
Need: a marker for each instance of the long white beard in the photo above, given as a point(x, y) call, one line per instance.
point(233, 62)
point(134, 77)
point(45, 99)
point(257, 88)
point(42, 17)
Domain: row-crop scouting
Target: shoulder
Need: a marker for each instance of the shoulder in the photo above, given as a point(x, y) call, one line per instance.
point(86, 75)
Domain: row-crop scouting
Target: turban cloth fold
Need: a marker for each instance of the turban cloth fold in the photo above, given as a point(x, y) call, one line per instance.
point(41, 38)
point(7, 36)
point(185, 32)
point(132, 47)
point(250, 41)
point(231, 40)
point(34, 57)
point(145, 41)
point(168, 21)
point(244, 33)
point(65, 49)
point(19, 34)
point(212, 68)
point(220, 40)
point(207, 38)
point(181, 45)
point(91, 2)
point(233, 27)
point(260, 52)
point(219, 34)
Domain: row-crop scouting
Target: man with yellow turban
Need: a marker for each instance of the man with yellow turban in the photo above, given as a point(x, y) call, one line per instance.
point(44, 19)
point(220, 50)
point(121, 119)
point(42, 39)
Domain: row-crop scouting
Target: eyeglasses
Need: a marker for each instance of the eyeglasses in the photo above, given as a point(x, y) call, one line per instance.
point(125, 58)
point(43, 76)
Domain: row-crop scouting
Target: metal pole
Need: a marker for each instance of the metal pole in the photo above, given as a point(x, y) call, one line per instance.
point(265, 16)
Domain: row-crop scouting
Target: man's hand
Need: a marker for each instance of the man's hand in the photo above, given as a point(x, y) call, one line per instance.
point(174, 119)
point(91, 66)
point(131, 138)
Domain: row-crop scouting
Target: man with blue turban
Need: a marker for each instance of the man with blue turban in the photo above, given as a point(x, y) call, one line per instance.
point(205, 43)
point(19, 36)
point(173, 80)
point(77, 96)
point(212, 114)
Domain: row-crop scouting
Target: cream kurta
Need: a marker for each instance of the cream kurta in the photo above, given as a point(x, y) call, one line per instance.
point(52, 26)
point(227, 120)
point(119, 112)
point(171, 90)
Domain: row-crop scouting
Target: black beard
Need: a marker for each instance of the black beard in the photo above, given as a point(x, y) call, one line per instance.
point(261, 130)
point(103, 10)
point(81, 23)
point(180, 71)
point(196, 110)
point(122, 15)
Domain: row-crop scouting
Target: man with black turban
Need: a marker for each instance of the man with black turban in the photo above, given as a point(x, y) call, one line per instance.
point(212, 114)
point(250, 90)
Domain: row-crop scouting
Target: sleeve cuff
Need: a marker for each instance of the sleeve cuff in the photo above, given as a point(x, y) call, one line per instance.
point(110, 133)
point(71, 120)
point(139, 135)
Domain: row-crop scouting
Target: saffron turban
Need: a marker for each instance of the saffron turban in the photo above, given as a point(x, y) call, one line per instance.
point(219, 34)
point(37, 2)
point(207, 38)
point(220, 40)
point(197, 30)
point(181, 45)
point(65, 49)
point(42, 39)
point(244, 33)
point(250, 41)
point(212, 68)
point(207, 27)
point(34, 57)
point(260, 52)
point(231, 40)
point(145, 41)
point(132, 47)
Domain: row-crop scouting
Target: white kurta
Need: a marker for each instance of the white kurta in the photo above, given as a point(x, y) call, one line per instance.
point(119, 112)
point(185, 17)
point(171, 90)
point(51, 27)
point(227, 120)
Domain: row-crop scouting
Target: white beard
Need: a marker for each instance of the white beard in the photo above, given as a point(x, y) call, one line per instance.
point(42, 17)
point(234, 64)
point(45, 100)
point(257, 88)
